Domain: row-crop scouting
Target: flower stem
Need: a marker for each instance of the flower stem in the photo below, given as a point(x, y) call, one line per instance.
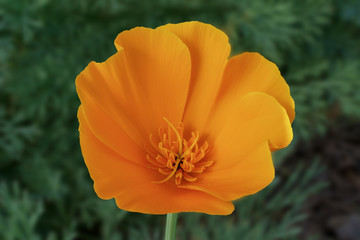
point(170, 229)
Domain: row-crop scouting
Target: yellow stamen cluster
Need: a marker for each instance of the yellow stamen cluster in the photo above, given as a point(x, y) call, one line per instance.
point(172, 155)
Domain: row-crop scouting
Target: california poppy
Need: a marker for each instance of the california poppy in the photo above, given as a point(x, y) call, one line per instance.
point(170, 124)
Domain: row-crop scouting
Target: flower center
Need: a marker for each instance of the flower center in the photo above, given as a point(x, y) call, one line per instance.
point(176, 157)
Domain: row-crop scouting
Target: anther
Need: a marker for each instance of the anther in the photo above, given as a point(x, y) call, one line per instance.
point(176, 157)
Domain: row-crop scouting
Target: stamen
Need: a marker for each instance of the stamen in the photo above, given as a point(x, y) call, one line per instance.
point(152, 161)
point(171, 174)
point(178, 177)
point(192, 145)
point(153, 144)
point(189, 178)
point(177, 134)
point(164, 171)
point(165, 153)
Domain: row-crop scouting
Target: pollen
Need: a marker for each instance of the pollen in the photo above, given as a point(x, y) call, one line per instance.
point(175, 157)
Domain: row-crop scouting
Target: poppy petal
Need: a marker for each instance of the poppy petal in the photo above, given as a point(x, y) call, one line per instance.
point(241, 149)
point(233, 182)
point(159, 65)
point(155, 198)
point(132, 184)
point(110, 133)
point(252, 119)
point(119, 97)
point(209, 50)
point(110, 172)
point(251, 72)
point(100, 91)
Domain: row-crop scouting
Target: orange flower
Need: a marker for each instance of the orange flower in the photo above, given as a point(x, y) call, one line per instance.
point(170, 124)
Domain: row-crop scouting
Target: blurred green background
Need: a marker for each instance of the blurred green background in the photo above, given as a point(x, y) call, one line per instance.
point(45, 189)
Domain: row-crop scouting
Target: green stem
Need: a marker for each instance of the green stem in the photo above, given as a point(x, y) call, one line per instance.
point(170, 228)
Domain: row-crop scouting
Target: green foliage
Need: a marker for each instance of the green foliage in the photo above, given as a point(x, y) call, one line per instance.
point(19, 213)
point(46, 192)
